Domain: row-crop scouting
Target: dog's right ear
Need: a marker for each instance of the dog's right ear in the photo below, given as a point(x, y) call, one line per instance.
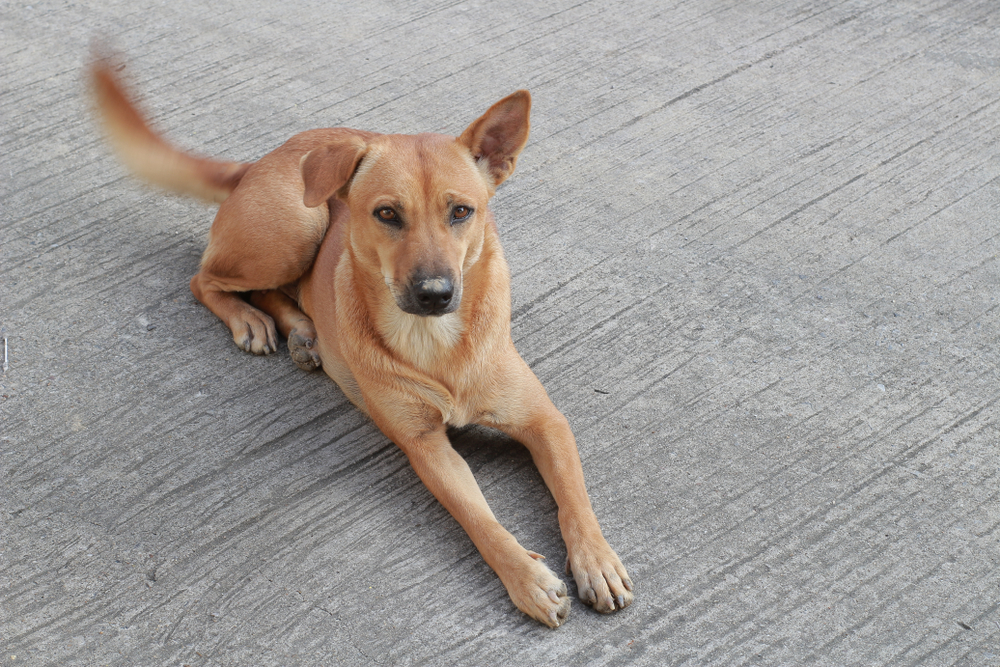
point(328, 168)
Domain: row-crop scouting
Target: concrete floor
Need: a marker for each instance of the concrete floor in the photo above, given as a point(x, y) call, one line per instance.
point(754, 254)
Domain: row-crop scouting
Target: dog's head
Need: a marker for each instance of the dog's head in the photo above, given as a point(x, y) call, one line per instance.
point(419, 203)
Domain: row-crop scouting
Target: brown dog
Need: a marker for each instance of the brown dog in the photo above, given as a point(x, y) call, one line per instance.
point(377, 257)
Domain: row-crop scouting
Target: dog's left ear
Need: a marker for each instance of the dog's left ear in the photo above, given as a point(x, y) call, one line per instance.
point(499, 135)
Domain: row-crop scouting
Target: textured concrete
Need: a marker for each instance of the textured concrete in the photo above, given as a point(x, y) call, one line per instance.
point(754, 253)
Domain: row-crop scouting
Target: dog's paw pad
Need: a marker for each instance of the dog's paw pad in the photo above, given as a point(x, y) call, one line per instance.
point(303, 351)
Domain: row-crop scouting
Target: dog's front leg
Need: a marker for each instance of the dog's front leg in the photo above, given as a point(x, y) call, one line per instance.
point(531, 418)
point(532, 586)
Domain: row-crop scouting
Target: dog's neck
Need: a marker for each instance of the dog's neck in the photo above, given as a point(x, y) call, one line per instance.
point(424, 342)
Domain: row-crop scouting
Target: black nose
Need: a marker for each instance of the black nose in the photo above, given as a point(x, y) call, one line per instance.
point(433, 295)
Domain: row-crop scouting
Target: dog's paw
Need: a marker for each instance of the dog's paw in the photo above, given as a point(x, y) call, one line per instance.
point(601, 579)
point(538, 592)
point(255, 332)
point(303, 350)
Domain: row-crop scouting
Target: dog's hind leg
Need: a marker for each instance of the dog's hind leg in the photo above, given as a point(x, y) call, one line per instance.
point(253, 330)
point(258, 241)
point(293, 325)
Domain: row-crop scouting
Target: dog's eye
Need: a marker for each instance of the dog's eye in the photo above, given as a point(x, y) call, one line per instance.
point(460, 213)
point(386, 214)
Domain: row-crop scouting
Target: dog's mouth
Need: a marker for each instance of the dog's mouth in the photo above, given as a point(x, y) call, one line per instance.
point(427, 296)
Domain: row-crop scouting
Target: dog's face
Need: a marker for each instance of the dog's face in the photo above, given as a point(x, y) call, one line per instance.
point(418, 203)
point(418, 210)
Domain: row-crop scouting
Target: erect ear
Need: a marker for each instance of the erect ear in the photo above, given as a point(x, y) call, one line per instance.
point(499, 135)
point(328, 168)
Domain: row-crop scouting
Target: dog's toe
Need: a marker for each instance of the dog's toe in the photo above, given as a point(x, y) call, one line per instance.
point(256, 333)
point(540, 594)
point(601, 579)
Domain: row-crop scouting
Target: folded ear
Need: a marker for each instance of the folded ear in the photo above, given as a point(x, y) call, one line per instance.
point(500, 134)
point(328, 168)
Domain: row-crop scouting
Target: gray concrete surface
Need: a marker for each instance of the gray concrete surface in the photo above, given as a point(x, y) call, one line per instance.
point(754, 248)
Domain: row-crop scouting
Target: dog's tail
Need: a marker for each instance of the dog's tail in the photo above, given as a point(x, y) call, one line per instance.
point(147, 154)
